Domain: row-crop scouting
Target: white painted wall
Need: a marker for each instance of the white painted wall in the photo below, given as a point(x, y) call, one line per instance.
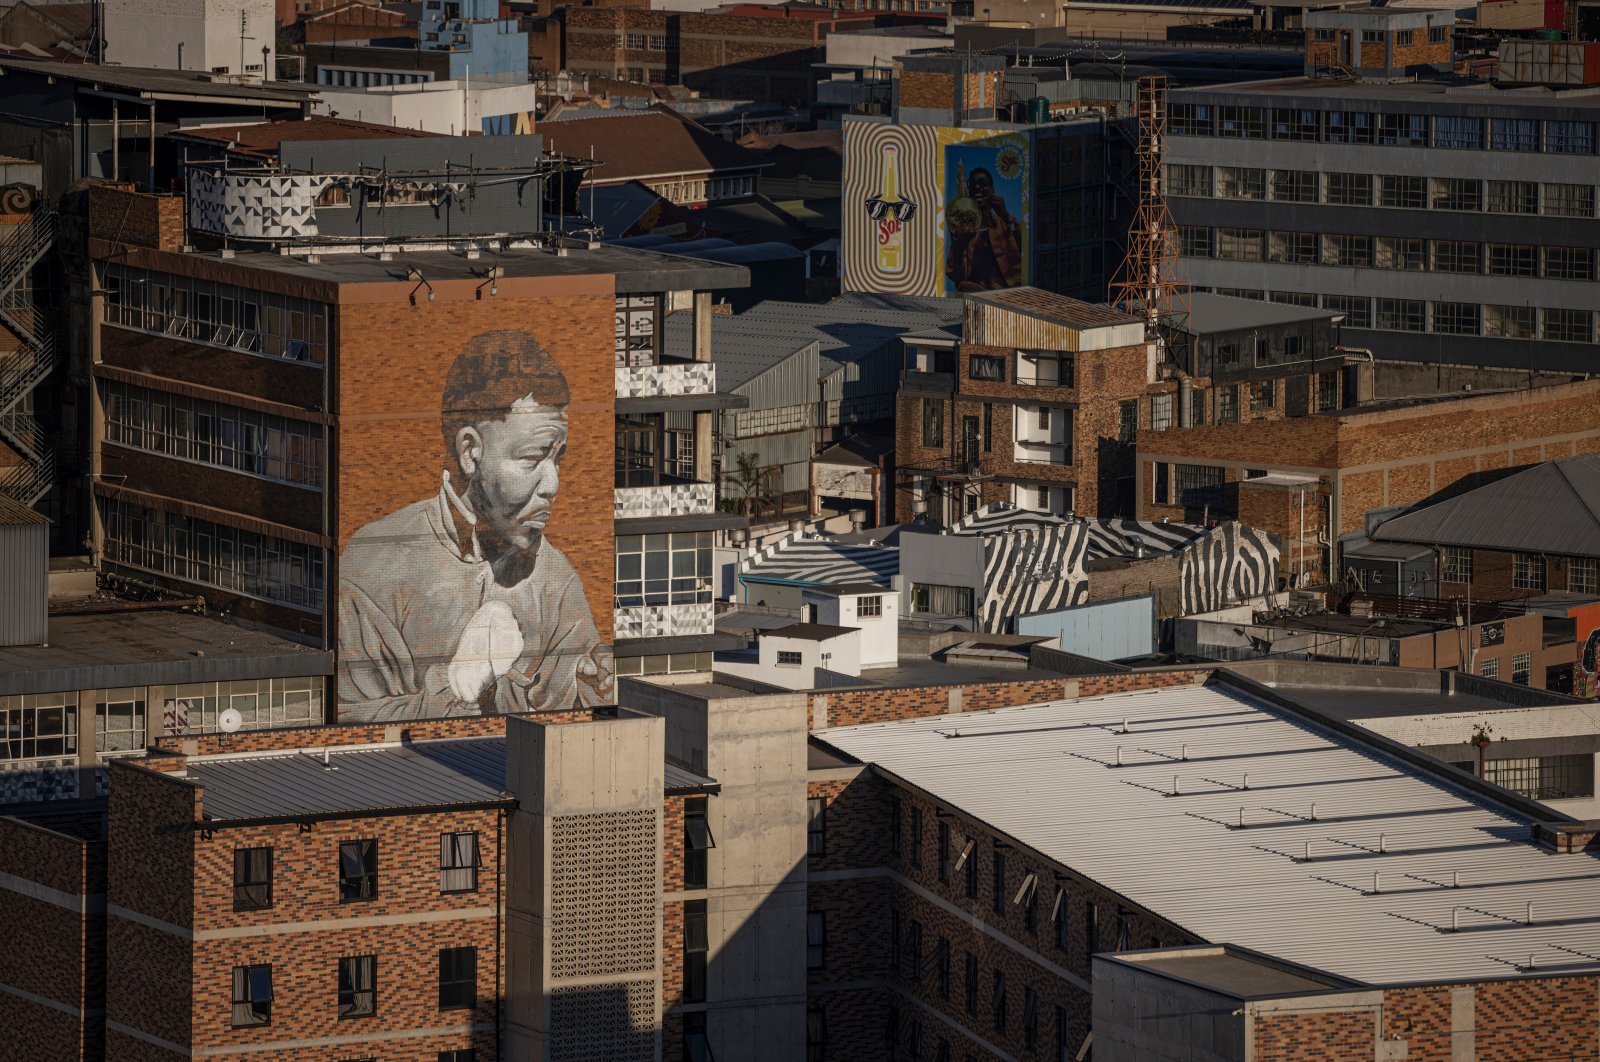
point(1041, 439)
point(147, 33)
point(434, 106)
point(879, 640)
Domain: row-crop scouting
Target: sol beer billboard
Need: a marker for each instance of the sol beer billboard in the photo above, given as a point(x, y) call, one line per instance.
point(931, 210)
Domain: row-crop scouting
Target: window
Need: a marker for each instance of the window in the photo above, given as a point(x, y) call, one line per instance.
point(1457, 193)
point(458, 978)
point(358, 871)
point(1228, 405)
point(943, 833)
point(1190, 119)
point(633, 41)
point(942, 954)
point(970, 865)
point(1512, 197)
point(1197, 486)
point(1030, 1018)
point(1403, 130)
point(1514, 134)
point(1544, 777)
point(1161, 412)
point(694, 951)
point(816, 1034)
point(1568, 200)
point(1328, 390)
point(932, 422)
point(1188, 180)
point(1569, 138)
point(1058, 916)
point(1455, 131)
point(894, 941)
point(1194, 242)
point(1393, 252)
point(252, 996)
point(1357, 309)
point(999, 997)
point(1527, 571)
point(1457, 565)
point(658, 42)
point(972, 983)
point(1569, 263)
point(1346, 250)
point(696, 1045)
point(816, 826)
point(1513, 260)
point(1583, 575)
point(1350, 189)
point(1567, 326)
point(916, 835)
point(252, 879)
point(358, 986)
point(1402, 315)
point(35, 726)
point(1298, 247)
point(458, 862)
point(1263, 395)
point(1162, 487)
point(1127, 421)
point(1457, 256)
point(1371, 36)
point(1292, 123)
point(1322, 36)
point(997, 896)
point(1406, 193)
point(1063, 1048)
point(1043, 418)
point(697, 842)
point(986, 367)
point(941, 600)
point(1241, 123)
point(894, 826)
point(198, 551)
point(816, 939)
point(202, 311)
point(1348, 127)
point(1403, 38)
point(1490, 669)
point(914, 951)
point(1240, 182)
point(1091, 929)
point(664, 569)
point(1509, 322)
point(1456, 318)
point(119, 721)
point(787, 658)
point(1438, 34)
point(1521, 668)
point(1294, 186)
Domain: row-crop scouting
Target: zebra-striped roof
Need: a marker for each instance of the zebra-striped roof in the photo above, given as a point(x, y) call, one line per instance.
point(1107, 538)
point(807, 559)
point(999, 516)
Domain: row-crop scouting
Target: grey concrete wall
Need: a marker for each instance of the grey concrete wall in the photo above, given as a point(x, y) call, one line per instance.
point(1142, 1018)
point(944, 560)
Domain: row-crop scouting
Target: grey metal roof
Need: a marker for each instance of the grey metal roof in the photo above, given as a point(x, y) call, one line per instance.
point(812, 632)
point(845, 329)
point(1549, 508)
point(1223, 313)
point(367, 779)
point(1045, 775)
point(157, 83)
point(1386, 551)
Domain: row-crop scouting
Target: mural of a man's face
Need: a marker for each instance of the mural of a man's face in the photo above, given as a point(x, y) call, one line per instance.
point(513, 470)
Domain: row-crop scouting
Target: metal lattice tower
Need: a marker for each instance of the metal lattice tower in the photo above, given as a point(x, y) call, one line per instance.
point(1146, 285)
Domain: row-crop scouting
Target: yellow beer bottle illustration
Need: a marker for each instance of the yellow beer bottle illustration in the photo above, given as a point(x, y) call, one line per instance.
point(889, 213)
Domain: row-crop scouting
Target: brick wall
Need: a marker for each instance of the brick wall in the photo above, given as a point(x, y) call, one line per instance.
point(849, 707)
point(393, 358)
point(55, 942)
point(117, 212)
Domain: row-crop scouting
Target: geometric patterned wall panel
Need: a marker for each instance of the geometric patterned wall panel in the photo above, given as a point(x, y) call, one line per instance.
point(603, 900)
point(613, 1022)
point(25, 781)
point(256, 206)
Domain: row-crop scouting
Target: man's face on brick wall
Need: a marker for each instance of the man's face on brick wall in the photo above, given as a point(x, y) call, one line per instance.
point(514, 467)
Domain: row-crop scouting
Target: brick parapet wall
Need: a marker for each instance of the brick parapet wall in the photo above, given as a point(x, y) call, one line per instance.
point(118, 213)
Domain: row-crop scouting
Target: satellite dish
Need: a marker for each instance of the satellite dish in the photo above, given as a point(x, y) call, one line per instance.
point(230, 721)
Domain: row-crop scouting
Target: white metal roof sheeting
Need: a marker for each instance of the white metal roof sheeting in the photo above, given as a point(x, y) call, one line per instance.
point(1043, 774)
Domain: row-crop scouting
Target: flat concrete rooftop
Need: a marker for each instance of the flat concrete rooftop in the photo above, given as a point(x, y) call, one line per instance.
point(1241, 974)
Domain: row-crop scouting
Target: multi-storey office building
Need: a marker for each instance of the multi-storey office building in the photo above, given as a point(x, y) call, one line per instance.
point(260, 405)
point(1446, 222)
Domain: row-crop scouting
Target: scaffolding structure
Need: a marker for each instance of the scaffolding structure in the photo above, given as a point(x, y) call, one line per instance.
point(1147, 284)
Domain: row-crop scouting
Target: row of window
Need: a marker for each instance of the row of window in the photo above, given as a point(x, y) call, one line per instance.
point(1395, 130)
point(204, 311)
point(199, 551)
point(1388, 252)
point(1384, 190)
point(638, 42)
point(1445, 318)
point(1404, 38)
point(355, 984)
point(1521, 669)
point(1529, 571)
point(357, 77)
point(194, 429)
point(664, 569)
point(357, 870)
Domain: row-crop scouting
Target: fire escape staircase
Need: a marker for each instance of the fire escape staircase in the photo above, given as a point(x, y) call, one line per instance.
point(27, 366)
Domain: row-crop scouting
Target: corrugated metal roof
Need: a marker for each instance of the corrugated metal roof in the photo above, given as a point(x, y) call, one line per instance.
point(1549, 508)
point(1057, 309)
point(1045, 775)
point(376, 778)
point(1224, 313)
point(13, 512)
